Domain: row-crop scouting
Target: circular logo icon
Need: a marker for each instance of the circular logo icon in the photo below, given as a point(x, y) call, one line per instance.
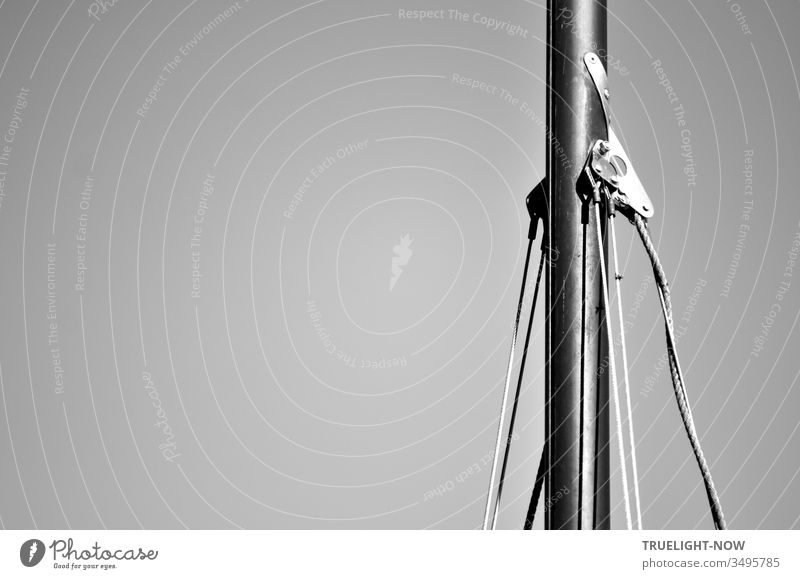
point(31, 552)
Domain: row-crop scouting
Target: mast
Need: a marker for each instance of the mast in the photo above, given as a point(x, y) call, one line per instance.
point(576, 388)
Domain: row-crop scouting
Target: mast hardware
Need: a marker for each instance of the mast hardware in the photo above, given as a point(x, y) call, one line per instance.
point(607, 161)
point(536, 202)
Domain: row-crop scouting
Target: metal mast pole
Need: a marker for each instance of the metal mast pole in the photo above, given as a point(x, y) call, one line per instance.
point(576, 387)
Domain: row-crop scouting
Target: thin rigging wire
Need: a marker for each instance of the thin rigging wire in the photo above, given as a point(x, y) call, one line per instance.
point(612, 370)
point(677, 374)
point(519, 389)
point(540, 474)
point(536, 493)
point(623, 347)
point(490, 511)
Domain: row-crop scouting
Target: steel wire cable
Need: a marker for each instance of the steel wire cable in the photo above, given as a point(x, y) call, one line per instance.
point(677, 373)
point(612, 371)
point(626, 378)
point(490, 512)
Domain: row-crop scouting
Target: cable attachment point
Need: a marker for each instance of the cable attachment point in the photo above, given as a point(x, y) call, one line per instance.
point(536, 202)
point(608, 160)
point(610, 165)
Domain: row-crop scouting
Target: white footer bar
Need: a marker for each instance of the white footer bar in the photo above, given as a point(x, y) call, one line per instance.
point(407, 554)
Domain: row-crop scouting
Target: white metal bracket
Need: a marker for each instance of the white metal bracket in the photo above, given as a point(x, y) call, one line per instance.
point(607, 160)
